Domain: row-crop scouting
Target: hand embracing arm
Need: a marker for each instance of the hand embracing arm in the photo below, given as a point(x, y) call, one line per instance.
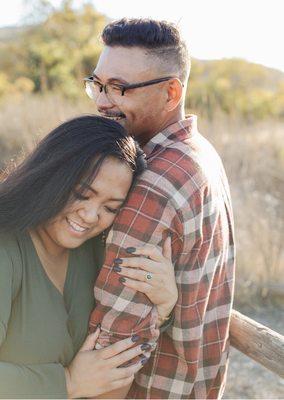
point(92, 373)
point(151, 273)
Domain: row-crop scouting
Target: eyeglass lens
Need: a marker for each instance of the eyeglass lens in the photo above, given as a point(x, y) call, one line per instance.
point(93, 90)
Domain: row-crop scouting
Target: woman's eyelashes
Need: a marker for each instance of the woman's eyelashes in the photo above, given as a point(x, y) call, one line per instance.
point(112, 210)
point(80, 196)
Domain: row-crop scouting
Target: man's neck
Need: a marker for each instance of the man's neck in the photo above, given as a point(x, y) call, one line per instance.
point(144, 139)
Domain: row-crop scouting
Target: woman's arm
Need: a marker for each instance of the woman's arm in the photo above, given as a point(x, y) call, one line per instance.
point(17, 380)
point(32, 381)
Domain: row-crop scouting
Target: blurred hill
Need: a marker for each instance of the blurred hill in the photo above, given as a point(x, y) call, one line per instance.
point(8, 34)
point(57, 53)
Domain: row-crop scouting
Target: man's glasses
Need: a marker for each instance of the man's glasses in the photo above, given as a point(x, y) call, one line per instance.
point(115, 91)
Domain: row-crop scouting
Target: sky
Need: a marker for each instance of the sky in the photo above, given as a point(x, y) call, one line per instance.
point(214, 29)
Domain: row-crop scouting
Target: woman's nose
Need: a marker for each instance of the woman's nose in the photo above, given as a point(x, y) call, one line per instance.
point(89, 214)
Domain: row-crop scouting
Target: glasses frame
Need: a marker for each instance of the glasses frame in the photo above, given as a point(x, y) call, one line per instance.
point(127, 86)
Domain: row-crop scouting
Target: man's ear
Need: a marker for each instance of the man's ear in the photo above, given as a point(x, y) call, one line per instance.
point(174, 94)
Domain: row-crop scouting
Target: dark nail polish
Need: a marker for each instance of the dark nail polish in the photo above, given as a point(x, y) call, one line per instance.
point(98, 326)
point(144, 360)
point(170, 234)
point(118, 261)
point(146, 346)
point(122, 280)
point(130, 250)
point(116, 268)
point(135, 338)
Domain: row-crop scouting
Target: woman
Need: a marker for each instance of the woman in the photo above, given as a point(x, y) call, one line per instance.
point(54, 209)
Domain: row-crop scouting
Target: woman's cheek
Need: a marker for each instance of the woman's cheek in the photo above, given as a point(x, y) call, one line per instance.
point(109, 220)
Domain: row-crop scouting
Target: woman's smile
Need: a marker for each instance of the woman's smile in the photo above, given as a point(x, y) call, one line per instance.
point(78, 228)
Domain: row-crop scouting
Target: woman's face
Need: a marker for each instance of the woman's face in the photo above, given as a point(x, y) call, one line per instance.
point(95, 210)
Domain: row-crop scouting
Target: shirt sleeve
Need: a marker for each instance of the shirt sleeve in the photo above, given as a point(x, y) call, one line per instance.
point(21, 380)
point(167, 324)
point(147, 217)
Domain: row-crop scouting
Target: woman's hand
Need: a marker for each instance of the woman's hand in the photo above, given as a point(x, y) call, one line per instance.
point(154, 276)
point(94, 372)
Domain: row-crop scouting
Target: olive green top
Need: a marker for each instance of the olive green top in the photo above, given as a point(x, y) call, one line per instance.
point(41, 330)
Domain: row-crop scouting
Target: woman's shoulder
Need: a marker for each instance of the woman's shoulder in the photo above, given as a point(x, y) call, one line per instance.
point(11, 257)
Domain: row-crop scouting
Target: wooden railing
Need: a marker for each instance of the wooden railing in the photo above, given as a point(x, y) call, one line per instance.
point(258, 342)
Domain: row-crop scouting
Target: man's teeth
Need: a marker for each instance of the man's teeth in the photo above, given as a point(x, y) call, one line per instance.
point(75, 226)
point(117, 118)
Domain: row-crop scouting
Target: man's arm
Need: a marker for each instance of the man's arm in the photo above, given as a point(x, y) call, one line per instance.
point(121, 310)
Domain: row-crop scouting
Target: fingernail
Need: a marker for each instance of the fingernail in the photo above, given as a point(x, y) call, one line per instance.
point(146, 346)
point(135, 338)
point(118, 261)
point(144, 360)
point(116, 268)
point(130, 250)
point(98, 326)
point(122, 280)
point(170, 234)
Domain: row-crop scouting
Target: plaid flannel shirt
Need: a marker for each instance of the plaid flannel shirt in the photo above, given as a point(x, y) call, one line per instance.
point(183, 191)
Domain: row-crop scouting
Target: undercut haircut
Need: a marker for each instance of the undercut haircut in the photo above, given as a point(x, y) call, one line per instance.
point(160, 39)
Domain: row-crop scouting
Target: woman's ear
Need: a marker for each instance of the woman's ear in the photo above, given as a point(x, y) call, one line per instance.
point(175, 88)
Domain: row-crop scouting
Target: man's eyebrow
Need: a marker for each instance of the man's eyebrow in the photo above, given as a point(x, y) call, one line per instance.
point(86, 186)
point(114, 79)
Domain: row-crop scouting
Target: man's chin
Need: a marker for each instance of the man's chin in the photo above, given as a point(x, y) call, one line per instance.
point(124, 123)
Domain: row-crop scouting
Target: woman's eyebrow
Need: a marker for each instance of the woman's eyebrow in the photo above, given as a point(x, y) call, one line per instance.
point(86, 186)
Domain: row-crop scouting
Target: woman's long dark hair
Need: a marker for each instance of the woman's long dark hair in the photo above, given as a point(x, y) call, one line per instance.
point(39, 188)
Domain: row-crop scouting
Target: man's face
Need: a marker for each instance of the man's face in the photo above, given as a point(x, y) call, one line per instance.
point(142, 110)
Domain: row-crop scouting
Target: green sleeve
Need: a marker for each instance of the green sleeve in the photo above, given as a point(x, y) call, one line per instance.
point(35, 381)
point(23, 381)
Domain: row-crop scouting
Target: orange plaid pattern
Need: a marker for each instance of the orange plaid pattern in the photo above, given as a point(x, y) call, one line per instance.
point(184, 191)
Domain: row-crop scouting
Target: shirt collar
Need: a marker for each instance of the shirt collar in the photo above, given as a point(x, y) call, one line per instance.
point(177, 131)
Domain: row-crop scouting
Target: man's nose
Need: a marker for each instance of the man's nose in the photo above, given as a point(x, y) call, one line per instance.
point(103, 102)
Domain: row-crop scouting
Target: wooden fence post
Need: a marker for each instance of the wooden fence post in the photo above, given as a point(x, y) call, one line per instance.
point(258, 342)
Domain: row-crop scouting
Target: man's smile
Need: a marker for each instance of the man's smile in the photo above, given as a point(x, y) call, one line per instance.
point(114, 117)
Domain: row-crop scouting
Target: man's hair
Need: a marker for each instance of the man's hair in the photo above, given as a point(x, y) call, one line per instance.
point(161, 39)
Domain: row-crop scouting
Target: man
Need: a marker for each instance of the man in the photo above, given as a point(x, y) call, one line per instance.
point(141, 80)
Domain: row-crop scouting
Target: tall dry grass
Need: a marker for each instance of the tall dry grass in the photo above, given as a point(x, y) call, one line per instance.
point(253, 156)
point(254, 160)
point(24, 119)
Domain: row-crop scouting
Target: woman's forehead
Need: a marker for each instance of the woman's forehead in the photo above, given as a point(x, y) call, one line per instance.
point(112, 176)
